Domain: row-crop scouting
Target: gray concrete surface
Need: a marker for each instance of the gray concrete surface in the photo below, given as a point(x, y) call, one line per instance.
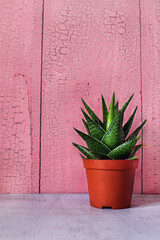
point(69, 216)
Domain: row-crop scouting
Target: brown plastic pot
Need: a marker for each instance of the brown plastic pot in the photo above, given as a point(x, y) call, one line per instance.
point(110, 182)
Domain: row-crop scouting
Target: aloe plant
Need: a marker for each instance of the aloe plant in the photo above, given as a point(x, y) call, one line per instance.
point(108, 139)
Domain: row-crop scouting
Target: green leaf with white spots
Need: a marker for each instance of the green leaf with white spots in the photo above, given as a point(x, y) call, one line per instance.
point(124, 150)
point(114, 135)
point(84, 150)
point(94, 144)
point(95, 130)
point(107, 139)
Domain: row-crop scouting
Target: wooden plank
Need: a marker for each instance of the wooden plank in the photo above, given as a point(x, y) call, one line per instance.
point(90, 47)
point(151, 89)
point(20, 68)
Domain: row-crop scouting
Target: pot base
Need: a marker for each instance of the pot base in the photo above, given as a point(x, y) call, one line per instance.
point(112, 207)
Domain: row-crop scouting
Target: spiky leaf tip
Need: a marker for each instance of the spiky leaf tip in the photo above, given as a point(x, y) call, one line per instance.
point(127, 103)
point(136, 132)
point(84, 150)
point(135, 149)
point(116, 109)
point(82, 156)
point(128, 124)
point(111, 111)
point(91, 113)
point(96, 130)
point(105, 112)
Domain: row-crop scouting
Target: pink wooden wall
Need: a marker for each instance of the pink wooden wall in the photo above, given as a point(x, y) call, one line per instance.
point(20, 75)
point(54, 52)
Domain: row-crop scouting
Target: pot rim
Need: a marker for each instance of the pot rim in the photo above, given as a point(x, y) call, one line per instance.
point(110, 164)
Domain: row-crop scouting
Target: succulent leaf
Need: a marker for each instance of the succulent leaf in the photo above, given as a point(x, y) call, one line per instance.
point(124, 150)
point(92, 114)
point(116, 109)
point(108, 139)
point(105, 112)
point(111, 111)
point(83, 157)
point(135, 133)
point(126, 103)
point(86, 126)
point(93, 144)
point(95, 130)
point(135, 149)
point(84, 150)
point(128, 124)
point(114, 135)
point(132, 158)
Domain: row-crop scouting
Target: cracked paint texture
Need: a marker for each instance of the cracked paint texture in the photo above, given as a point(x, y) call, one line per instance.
point(20, 47)
point(48, 62)
point(151, 94)
point(90, 47)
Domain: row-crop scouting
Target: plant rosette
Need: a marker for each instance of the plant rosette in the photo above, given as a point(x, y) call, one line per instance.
point(109, 158)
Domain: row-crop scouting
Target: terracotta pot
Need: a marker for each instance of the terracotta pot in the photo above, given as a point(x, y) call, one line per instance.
point(110, 182)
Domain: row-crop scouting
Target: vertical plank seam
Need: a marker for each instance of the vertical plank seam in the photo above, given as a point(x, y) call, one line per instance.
point(140, 26)
point(40, 134)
